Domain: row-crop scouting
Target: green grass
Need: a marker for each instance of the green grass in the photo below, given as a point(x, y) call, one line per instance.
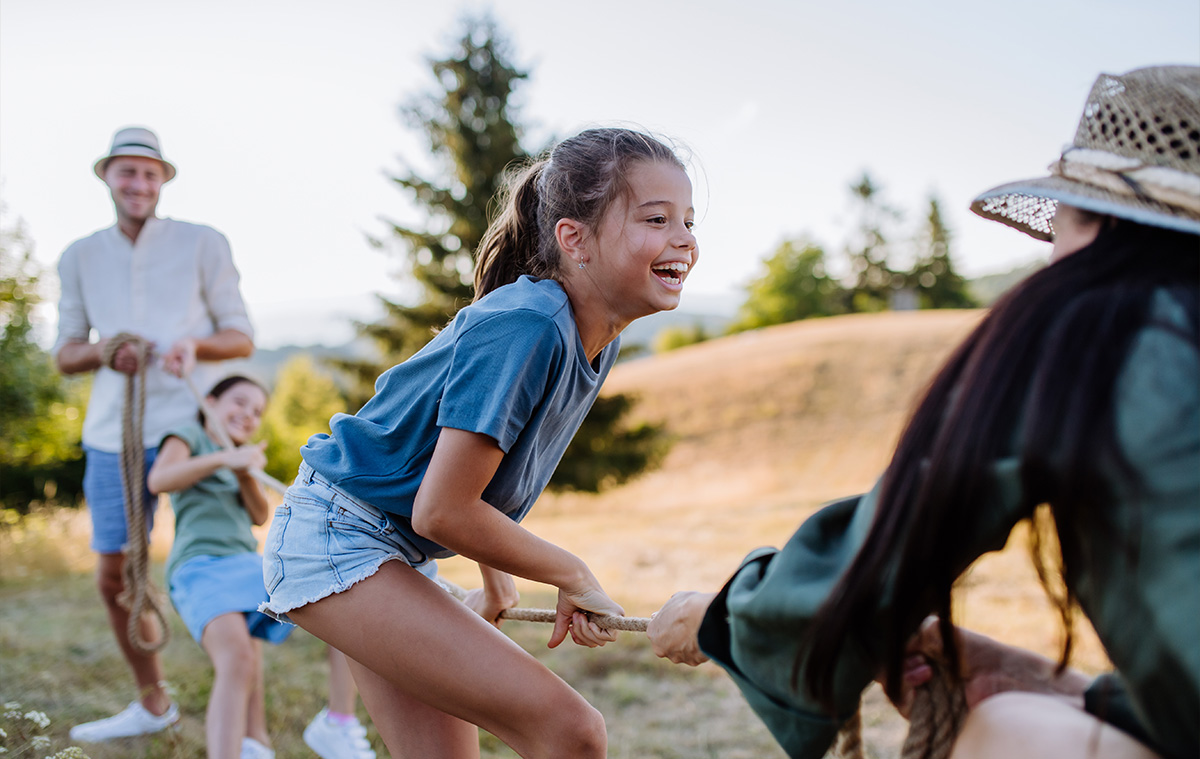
point(58, 656)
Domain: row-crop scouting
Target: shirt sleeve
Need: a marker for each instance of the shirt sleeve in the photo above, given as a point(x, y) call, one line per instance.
point(221, 286)
point(73, 324)
point(500, 373)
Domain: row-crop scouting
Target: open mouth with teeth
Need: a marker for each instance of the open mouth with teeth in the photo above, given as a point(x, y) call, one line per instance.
point(671, 273)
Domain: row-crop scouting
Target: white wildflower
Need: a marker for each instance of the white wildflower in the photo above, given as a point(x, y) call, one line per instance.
point(39, 742)
point(38, 718)
point(10, 705)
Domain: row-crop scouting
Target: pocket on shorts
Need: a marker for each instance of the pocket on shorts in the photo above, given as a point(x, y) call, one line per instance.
point(272, 564)
point(349, 513)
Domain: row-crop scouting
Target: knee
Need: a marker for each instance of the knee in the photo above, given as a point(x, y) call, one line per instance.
point(237, 661)
point(110, 583)
point(588, 735)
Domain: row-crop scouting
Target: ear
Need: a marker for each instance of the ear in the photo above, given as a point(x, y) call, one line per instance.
point(571, 236)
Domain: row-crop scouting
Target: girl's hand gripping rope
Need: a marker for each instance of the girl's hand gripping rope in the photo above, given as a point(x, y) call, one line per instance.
point(572, 614)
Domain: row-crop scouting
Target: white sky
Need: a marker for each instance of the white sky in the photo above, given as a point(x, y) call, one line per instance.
point(282, 117)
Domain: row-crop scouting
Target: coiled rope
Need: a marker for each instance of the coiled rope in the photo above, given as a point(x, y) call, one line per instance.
point(938, 710)
point(139, 595)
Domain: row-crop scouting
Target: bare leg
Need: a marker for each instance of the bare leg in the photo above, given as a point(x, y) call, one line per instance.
point(1039, 726)
point(256, 710)
point(428, 668)
point(235, 659)
point(146, 668)
point(343, 695)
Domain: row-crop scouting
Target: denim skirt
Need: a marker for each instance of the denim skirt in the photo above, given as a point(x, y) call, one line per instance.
point(205, 587)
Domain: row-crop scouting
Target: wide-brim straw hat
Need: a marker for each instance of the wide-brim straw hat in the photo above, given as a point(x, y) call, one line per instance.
point(1136, 156)
point(137, 141)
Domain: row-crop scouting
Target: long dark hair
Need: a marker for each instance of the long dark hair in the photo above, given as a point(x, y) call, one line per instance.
point(1048, 354)
point(579, 179)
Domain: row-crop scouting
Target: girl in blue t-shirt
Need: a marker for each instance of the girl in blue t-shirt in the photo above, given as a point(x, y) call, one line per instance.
point(214, 575)
point(458, 443)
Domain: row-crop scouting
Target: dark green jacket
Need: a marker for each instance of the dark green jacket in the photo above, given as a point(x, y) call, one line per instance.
point(1147, 614)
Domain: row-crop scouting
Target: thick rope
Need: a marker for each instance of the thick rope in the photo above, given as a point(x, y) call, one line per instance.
point(938, 710)
point(139, 596)
point(605, 621)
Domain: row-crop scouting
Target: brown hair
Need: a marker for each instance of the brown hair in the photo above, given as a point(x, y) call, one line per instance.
point(579, 179)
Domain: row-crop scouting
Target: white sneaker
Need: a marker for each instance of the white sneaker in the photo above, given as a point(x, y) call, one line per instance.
point(333, 741)
point(252, 749)
point(134, 720)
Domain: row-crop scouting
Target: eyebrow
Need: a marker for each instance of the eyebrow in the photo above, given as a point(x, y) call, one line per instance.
point(652, 203)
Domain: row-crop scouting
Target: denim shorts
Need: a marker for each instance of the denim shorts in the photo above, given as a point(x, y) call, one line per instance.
point(324, 540)
point(205, 587)
point(106, 498)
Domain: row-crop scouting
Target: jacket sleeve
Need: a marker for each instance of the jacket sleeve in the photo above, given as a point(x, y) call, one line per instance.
point(756, 626)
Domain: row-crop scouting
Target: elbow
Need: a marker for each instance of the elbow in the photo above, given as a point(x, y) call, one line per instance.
point(155, 484)
point(427, 522)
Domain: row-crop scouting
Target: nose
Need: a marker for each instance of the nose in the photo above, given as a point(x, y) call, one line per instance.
point(686, 241)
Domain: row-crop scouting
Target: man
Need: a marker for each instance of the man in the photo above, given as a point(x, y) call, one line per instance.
point(175, 285)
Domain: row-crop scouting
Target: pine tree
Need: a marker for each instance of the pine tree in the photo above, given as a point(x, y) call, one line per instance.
point(470, 127)
point(874, 280)
point(470, 130)
point(933, 276)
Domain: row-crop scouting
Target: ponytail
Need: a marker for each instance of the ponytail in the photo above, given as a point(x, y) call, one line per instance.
point(511, 246)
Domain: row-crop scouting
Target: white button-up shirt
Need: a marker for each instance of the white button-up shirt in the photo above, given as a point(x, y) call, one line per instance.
point(177, 281)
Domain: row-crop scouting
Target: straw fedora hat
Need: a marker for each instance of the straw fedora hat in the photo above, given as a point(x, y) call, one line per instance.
point(137, 141)
point(1136, 156)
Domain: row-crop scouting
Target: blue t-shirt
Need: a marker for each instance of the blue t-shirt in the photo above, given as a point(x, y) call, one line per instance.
point(510, 366)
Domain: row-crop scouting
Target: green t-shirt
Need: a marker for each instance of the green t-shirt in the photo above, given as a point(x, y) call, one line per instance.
point(209, 517)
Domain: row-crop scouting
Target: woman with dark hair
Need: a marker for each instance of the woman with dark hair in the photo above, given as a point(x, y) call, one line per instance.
point(1080, 390)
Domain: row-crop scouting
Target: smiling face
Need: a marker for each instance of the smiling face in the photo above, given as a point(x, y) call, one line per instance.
point(134, 182)
point(239, 408)
point(644, 246)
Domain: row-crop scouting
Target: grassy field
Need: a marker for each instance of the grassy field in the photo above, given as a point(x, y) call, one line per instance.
point(767, 426)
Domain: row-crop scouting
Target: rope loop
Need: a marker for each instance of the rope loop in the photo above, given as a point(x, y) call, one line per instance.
point(139, 597)
point(938, 710)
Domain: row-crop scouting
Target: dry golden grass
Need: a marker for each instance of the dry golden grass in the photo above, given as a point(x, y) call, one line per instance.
point(767, 426)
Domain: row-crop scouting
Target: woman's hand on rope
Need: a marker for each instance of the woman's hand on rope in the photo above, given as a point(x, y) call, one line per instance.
point(245, 457)
point(498, 593)
point(673, 629)
point(988, 667)
point(574, 603)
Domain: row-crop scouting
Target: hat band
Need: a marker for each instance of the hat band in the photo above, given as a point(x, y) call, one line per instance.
point(1127, 176)
point(143, 145)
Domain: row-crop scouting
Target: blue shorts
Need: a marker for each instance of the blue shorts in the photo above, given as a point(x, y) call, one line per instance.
point(205, 587)
point(324, 540)
point(106, 498)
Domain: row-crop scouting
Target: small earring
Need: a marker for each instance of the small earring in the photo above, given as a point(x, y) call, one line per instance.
point(583, 264)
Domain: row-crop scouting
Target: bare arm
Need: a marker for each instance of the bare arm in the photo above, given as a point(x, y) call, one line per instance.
point(177, 469)
point(80, 356)
point(497, 594)
point(449, 509)
point(253, 498)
